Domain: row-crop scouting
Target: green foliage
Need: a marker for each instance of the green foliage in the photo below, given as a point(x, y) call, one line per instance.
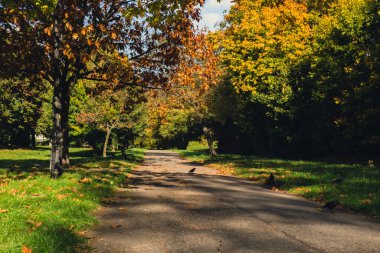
point(48, 215)
point(20, 107)
point(168, 131)
point(337, 84)
point(305, 78)
point(120, 112)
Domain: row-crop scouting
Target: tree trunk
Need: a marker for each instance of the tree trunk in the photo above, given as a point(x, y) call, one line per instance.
point(210, 140)
point(122, 150)
point(65, 126)
point(113, 145)
point(56, 168)
point(32, 138)
point(109, 129)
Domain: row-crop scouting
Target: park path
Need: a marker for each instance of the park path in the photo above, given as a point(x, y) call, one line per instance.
point(167, 210)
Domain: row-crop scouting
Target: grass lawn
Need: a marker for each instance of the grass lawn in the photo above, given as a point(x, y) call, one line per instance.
point(360, 191)
point(48, 215)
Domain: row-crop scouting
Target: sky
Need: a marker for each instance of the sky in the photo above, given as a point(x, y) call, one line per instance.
point(212, 12)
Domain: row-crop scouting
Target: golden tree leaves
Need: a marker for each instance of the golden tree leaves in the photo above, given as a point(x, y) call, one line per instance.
point(260, 45)
point(47, 31)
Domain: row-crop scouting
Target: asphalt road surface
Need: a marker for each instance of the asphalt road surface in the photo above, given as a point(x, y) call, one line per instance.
point(167, 210)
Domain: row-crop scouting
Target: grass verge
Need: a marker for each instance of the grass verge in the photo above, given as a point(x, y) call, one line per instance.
point(360, 191)
point(48, 215)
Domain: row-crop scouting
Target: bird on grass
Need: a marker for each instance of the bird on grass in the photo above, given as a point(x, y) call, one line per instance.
point(329, 206)
point(340, 179)
point(191, 171)
point(272, 182)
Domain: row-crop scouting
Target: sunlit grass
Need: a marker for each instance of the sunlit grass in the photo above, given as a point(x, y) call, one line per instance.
point(48, 215)
point(360, 190)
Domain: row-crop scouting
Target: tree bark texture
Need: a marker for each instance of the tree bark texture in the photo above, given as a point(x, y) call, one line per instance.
point(109, 129)
point(59, 95)
point(32, 138)
point(65, 126)
point(210, 140)
point(56, 168)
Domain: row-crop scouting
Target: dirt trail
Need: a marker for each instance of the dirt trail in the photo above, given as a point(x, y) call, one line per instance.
point(168, 210)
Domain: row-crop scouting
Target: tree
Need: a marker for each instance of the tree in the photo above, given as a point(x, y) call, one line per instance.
point(185, 102)
point(262, 40)
point(20, 106)
point(305, 75)
point(118, 42)
point(340, 82)
point(111, 110)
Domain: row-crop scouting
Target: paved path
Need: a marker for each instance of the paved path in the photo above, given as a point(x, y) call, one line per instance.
point(167, 210)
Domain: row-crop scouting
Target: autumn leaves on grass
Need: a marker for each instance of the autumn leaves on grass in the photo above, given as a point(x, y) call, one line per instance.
point(38, 214)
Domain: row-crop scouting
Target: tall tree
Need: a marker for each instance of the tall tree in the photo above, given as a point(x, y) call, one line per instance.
point(190, 86)
point(20, 107)
point(114, 41)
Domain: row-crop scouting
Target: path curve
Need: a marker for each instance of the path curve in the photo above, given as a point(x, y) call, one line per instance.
point(167, 210)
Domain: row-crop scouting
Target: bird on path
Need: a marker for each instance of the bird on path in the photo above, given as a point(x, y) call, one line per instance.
point(329, 206)
point(191, 171)
point(340, 179)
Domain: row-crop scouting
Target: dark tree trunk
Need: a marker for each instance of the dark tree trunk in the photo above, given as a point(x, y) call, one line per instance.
point(210, 140)
point(122, 150)
point(32, 138)
point(56, 168)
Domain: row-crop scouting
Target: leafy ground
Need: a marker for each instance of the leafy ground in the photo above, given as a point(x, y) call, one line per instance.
point(359, 191)
point(48, 215)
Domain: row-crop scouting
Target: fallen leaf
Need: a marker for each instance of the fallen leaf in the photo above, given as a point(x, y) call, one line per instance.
point(38, 224)
point(36, 195)
point(25, 249)
point(35, 224)
point(85, 180)
point(13, 192)
point(366, 202)
point(61, 196)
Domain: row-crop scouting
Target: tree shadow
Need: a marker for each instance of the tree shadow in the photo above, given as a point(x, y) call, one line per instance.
point(224, 209)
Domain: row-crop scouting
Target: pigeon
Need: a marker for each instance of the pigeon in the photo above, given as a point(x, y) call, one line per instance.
point(271, 181)
point(339, 179)
point(329, 206)
point(191, 171)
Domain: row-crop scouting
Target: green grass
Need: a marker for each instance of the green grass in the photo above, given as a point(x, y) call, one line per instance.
point(48, 215)
point(360, 191)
